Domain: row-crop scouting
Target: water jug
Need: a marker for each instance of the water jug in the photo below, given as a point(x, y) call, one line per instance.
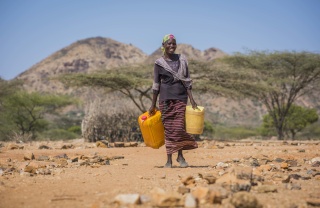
point(152, 129)
point(194, 120)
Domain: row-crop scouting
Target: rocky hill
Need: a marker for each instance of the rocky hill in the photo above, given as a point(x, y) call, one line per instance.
point(83, 56)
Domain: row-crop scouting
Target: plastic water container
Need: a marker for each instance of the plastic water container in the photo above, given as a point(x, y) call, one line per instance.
point(152, 129)
point(194, 120)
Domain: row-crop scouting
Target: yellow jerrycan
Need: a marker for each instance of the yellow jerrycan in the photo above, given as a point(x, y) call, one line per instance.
point(194, 120)
point(152, 129)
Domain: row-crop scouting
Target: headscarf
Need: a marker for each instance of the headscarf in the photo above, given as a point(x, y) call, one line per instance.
point(165, 39)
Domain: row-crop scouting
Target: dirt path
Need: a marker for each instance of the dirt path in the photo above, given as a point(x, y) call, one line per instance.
point(139, 170)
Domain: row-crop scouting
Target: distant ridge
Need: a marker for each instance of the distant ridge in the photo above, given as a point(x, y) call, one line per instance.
point(191, 53)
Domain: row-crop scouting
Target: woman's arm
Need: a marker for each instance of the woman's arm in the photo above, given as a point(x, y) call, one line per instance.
point(193, 103)
point(156, 90)
point(153, 107)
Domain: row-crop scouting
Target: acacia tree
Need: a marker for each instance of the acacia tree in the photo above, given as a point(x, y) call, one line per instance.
point(24, 112)
point(286, 76)
point(134, 82)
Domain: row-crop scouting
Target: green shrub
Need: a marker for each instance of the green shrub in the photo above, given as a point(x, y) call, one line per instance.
point(75, 129)
point(226, 133)
point(208, 129)
point(310, 132)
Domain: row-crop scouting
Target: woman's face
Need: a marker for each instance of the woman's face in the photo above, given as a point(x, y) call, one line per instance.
point(170, 46)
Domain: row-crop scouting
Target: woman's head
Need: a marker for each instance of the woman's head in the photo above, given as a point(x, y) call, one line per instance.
point(169, 44)
point(167, 37)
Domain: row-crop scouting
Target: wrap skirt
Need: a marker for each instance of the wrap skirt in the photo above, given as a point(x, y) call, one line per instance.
point(173, 119)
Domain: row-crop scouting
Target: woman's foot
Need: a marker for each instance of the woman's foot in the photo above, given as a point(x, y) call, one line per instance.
point(167, 165)
point(182, 162)
point(169, 161)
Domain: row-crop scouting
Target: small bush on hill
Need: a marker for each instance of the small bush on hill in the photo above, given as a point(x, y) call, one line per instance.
point(231, 133)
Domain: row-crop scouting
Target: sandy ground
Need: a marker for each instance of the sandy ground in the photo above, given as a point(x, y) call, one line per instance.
point(138, 170)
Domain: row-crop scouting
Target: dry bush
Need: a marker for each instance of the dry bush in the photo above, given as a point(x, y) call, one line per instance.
point(18, 137)
point(99, 124)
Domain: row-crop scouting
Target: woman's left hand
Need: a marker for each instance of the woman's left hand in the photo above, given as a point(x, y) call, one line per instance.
point(194, 104)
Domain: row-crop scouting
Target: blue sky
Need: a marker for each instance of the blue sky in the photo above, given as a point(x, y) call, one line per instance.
point(31, 30)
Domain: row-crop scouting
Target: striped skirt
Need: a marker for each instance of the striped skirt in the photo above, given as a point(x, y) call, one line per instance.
point(173, 118)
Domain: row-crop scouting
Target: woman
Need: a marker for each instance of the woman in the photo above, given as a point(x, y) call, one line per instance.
point(173, 83)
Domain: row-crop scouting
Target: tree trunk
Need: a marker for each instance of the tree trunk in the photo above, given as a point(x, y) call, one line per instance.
point(280, 133)
point(293, 134)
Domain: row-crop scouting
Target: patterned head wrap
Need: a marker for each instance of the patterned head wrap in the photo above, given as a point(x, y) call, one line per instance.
point(165, 39)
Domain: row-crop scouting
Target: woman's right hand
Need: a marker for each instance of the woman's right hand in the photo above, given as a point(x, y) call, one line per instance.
point(152, 110)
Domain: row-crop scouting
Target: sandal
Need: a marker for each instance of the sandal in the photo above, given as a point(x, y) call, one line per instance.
point(167, 165)
point(183, 163)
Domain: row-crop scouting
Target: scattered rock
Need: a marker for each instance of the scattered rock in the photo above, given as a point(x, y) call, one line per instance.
point(220, 145)
point(235, 160)
point(65, 156)
point(265, 168)
point(291, 176)
point(68, 146)
point(267, 189)
point(245, 200)
point(222, 165)
point(130, 144)
point(201, 194)
point(74, 159)
point(284, 165)
point(211, 179)
point(14, 146)
point(313, 202)
point(190, 201)
point(117, 157)
point(183, 190)
point(119, 144)
point(127, 199)
point(62, 162)
point(163, 176)
point(162, 199)
point(218, 193)
point(316, 159)
point(30, 169)
point(315, 164)
point(254, 162)
point(43, 158)
point(188, 180)
point(102, 144)
point(293, 186)
point(237, 179)
point(29, 156)
point(279, 160)
point(44, 147)
point(292, 163)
